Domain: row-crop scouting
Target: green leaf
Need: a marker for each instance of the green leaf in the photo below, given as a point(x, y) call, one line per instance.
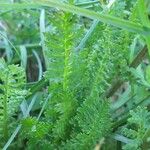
point(148, 74)
point(24, 56)
point(143, 13)
point(120, 23)
point(12, 92)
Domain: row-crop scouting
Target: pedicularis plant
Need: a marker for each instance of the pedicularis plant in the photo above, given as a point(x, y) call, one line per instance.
point(74, 75)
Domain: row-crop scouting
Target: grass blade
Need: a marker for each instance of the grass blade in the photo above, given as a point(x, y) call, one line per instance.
point(120, 23)
point(9, 52)
point(12, 137)
point(124, 24)
point(23, 52)
point(42, 31)
point(93, 26)
point(39, 65)
point(3, 36)
point(19, 126)
point(44, 105)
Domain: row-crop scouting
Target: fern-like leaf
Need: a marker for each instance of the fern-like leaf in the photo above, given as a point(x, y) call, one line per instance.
point(138, 129)
point(12, 92)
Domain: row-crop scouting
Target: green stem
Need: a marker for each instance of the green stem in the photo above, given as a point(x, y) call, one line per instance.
point(66, 55)
point(124, 24)
point(120, 23)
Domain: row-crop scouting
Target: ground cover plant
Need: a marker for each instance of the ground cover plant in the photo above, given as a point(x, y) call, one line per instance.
point(75, 75)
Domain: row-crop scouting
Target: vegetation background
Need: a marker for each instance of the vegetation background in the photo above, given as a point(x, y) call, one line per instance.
point(74, 75)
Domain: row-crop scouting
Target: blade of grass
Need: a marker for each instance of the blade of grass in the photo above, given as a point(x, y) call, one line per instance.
point(12, 137)
point(120, 23)
point(24, 107)
point(18, 6)
point(42, 31)
point(132, 47)
point(23, 52)
point(86, 4)
point(121, 138)
point(143, 14)
point(9, 52)
point(93, 26)
point(44, 105)
point(2, 35)
point(87, 35)
point(19, 126)
point(130, 26)
point(27, 46)
point(39, 65)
